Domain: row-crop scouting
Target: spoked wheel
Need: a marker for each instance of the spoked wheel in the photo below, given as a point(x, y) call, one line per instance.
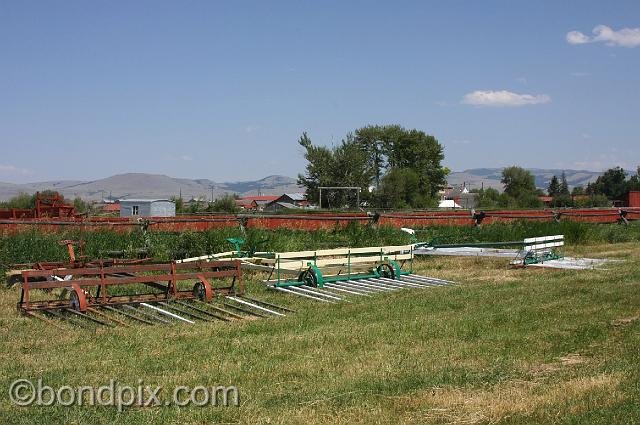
point(309, 278)
point(385, 270)
point(199, 291)
point(74, 300)
point(78, 298)
point(202, 292)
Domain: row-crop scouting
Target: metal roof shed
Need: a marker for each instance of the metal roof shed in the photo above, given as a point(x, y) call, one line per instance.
point(147, 208)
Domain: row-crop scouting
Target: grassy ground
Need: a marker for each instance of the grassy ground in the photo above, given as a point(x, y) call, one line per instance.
point(508, 346)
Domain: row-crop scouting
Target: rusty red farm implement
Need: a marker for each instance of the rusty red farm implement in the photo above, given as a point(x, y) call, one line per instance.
point(148, 293)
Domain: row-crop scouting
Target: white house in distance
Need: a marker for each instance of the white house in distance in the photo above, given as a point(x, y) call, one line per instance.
point(147, 208)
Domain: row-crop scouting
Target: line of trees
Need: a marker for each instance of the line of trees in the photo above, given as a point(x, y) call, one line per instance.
point(520, 190)
point(393, 167)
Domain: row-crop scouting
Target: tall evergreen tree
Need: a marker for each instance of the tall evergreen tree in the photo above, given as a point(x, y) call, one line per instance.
point(554, 187)
point(564, 186)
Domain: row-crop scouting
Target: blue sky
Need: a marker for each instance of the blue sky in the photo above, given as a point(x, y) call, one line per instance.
point(222, 90)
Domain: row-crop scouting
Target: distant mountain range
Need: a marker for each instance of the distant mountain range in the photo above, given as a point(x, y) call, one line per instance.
point(490, 177)
point(140, 185)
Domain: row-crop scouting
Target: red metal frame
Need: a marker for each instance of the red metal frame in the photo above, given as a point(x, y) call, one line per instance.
point(81, 280)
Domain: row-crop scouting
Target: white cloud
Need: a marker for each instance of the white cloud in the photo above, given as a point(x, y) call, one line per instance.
point(576, 37)
point(182, 157)
point(503, 98)
point(580, 74)
point(9, 169)
point(625, 37)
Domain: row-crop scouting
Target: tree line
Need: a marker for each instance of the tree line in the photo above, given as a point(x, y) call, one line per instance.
point(520, 190)
point(393, 167)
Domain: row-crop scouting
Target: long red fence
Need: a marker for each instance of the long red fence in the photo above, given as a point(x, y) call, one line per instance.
point(313, 221)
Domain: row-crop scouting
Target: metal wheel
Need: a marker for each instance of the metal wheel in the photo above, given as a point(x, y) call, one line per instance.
point(74, 300)
point(309, 278)
point(199, 291)
point(385, 270)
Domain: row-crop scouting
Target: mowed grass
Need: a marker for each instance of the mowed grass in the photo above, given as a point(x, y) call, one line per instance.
point(503, 346)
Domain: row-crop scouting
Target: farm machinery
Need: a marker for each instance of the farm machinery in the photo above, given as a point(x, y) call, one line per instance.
point(331, 274)
point(110, 292)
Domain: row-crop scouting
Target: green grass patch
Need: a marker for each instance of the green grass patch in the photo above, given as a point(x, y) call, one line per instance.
point(503, 346)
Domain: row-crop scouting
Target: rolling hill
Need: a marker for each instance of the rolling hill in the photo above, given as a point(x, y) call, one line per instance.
point(142, 185)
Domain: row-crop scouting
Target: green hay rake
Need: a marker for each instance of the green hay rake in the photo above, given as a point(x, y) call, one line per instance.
point(331, 275)
point(315, 268)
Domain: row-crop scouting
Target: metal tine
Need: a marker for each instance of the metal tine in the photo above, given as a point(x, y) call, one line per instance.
point(361, 286)
point(73, 320)
point(319, 295)
point(421, 282)
point(203, 311)
point(397, 282)
point(113, 319)
point(266, 303)
point(148, 314)
point(372, 286)
point(391, 283)
point(129, 315)
point(245, 310)
point(366, 289)
point(401, 282)
point(418, 277)
point(167, 313)
point(46, 319)
point(320, 292)
point(220, 309)
point(86, 316)
point(241, 301)
point(426, 283)
point(327, 292)
point(183, 311)
point(301, 294)
point(338, 288)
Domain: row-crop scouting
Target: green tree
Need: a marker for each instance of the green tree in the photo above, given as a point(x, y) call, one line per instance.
point(554, 187)
point(612, 184)
point(179, 204)
point(577, 191)
point(400, 189)
point(226, 203)
point(344, 165)
point(389, 157)
point(564, 186)
point(20, 201)
point(82, 206)
point(489, 198)
point(519, 188)
point(518, 182)
point(634, 181)
point(393, 146)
